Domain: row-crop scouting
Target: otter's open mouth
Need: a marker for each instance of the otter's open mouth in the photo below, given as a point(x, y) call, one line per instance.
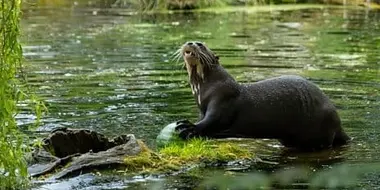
point(188, 53)
point(190, 56)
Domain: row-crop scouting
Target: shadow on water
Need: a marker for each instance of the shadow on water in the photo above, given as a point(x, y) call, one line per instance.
point(112, 71)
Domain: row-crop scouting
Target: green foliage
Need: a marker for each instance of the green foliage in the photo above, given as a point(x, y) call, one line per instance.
point(12, 166)
point(13, 171)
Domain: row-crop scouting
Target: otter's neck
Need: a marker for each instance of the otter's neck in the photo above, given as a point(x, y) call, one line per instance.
point(196, 78)
point(208, 76)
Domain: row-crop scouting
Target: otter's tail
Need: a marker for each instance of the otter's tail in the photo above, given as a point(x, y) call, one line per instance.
point(341, 138)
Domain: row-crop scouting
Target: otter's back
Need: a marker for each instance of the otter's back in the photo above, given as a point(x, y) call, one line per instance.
point(285, 100)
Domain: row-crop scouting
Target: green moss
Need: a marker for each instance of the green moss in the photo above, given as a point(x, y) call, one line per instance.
point(200, 149)
point(148, 160)
point(175, 155)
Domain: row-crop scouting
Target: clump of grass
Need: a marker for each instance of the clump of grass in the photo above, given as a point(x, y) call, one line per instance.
point(175, 155)
point(200, 149)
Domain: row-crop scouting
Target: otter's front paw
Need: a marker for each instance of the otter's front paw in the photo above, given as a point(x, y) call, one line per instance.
point(185, 129)
point(187, 133)
point(183, 124)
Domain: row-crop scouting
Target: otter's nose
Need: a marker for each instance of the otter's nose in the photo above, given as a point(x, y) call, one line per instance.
point(189, 43)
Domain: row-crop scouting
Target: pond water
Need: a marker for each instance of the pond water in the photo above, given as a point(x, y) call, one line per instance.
point(112, 70)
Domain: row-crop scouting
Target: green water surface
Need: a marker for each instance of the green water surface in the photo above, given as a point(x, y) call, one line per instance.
point(111, 70)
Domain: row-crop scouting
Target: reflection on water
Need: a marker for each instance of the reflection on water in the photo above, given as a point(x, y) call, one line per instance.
point(113, 72)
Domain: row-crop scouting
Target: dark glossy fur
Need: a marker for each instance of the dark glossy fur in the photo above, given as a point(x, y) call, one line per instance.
point(288, 108)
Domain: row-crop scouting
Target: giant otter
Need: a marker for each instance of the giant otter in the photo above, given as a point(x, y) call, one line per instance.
point(288, 108)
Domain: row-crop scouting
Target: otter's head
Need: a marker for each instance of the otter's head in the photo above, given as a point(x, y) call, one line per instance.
point(198, 59)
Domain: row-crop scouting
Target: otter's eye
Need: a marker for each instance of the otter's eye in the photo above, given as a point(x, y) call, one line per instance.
point(199, 44)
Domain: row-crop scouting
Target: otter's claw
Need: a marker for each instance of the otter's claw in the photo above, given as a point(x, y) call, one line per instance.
point(185, 129)
point(184, 121)
point(183, 124)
